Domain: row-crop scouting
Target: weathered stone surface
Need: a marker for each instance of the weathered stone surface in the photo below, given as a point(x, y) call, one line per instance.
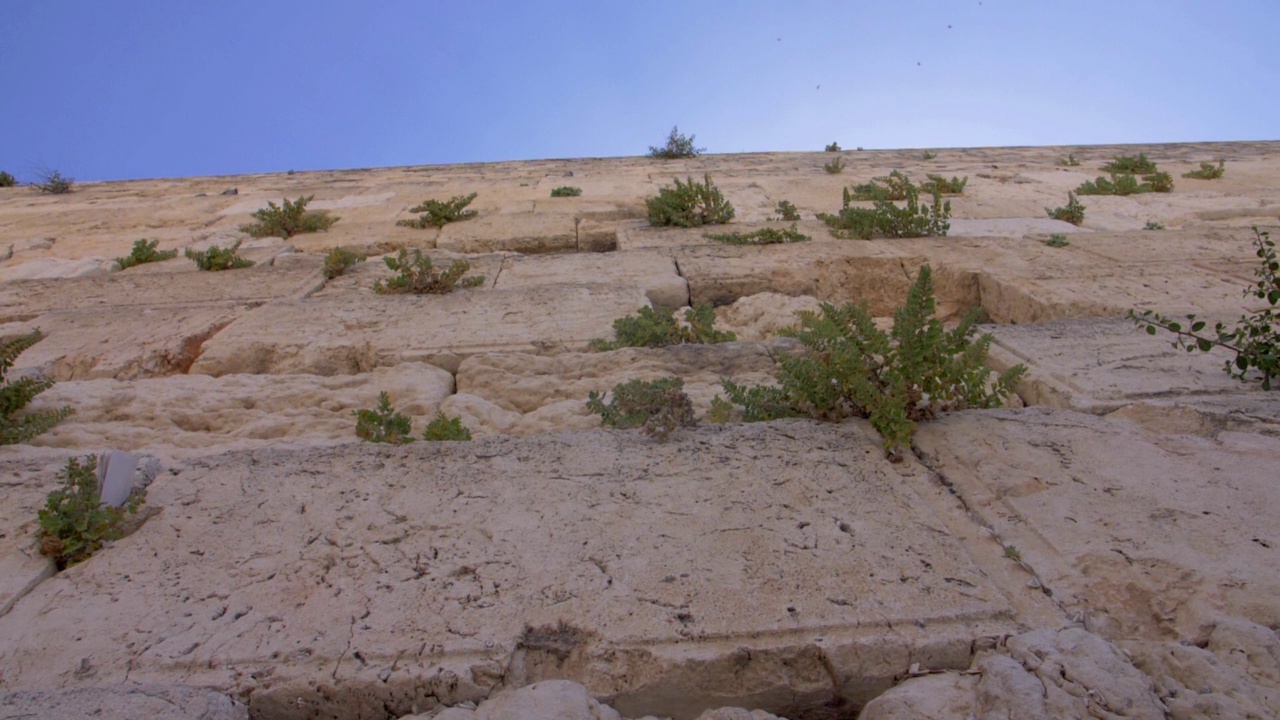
point(523, 233)
point(266, 570)
point(760, 317)
point(546, 700)
point(654, 272)
point(342, 335)
point(154, 702)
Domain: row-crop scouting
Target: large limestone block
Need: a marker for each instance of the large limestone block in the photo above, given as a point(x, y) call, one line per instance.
point(185, 415)
point(154, 702)
point(524, 233)
point(655, 272)
point(342, 335)
point(546, 700)
point(1142, 534)
point(741, 565)
point(135, 342)
point(760, 317)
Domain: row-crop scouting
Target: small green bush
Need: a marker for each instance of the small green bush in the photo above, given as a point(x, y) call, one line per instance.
point(1073, 212)
point(764, 236)
point(786, 211)
point(833, 147)
point(339, 260)
point(53, 183)
point(1139, 165)
point(1153, 225)
point(1208, 171)
point(886, 219)
point(1127, 184)
point(15, 394)
point(215, 258)
point(689, 204)
point(383, 425)
point(145, 252)
point(835, 167)
point(289, 219)
point(1057, 240)
point(1161, 182)
point(678, 146)
point(896, 379)
point(943, 186)
point(444, 428)
point(438, 214)
point(1254, 342)
point(928, 155)
point(74, 524)
point(896, 187)
point(658, 406)
point(659, 328)
point(1068, 161)
point(7, 180)
point(566, 191)
point(418, 277)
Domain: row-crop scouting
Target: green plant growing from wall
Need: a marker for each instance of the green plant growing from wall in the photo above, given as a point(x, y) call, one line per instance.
point(885, 219)
point(383, 424)
point(1072, 212)
point(895, 380)
point(1153, 225)
point(689, 204)
point(288, 219)
point(943, 186)
point(1254, 341)
point(896, 187)
point(145, 252)
point(1068, 161)
point(444, 428)
point(7, 180)
point(74, 523)
point(417, 276)
point(833, 147)
point(437, 214)
point(339, 260)
point(1134, 165)
point(928, 155)
point(651, 327)
point(566, 191)
point(659, 406)
point(53, 183)
point(1057, 240)
point(678, 146)
point(216, 259)
point(1208, 171)
point(764, 236)
point(17, 426)
point(784, 210)
point(835, 167)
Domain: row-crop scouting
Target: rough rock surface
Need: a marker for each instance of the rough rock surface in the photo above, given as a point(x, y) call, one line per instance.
point(154, 702)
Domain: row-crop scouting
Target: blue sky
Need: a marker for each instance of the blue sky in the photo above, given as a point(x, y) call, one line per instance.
point(130, 89)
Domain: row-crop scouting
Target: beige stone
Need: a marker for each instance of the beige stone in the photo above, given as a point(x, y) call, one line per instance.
point(654, 272)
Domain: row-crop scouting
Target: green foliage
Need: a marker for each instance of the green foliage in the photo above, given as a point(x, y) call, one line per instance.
point(444, 428)
point(659, 328)
point(833, 147)
point(939, 184)
point(383, 425)
point(689, 204)
point(896, 379)
point(1068, 161)
point(53, 183)
point(7, 180)
point(1153, 225)
point(74, 524)
point(764, 236)
point(897, 186)
point(289, 219)
point(418, 276)
point(566, 191)
point(438, 214)
point(15, 394)
point(216, 258)
point(1127, 184)
point(1057, 240)
point(786, 211)
point(678, 146)
point(1139, 165)
point(1161, 182)
point(339, 260)
point(928, 155)
point(1072, 213)
point(1208, 171)
point(1254, 341)
point(658, 406)
point(145, 252)
point(886, 219)
point(835, 167)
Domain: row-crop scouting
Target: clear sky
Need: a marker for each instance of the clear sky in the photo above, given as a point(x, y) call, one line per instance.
point(115, 89)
